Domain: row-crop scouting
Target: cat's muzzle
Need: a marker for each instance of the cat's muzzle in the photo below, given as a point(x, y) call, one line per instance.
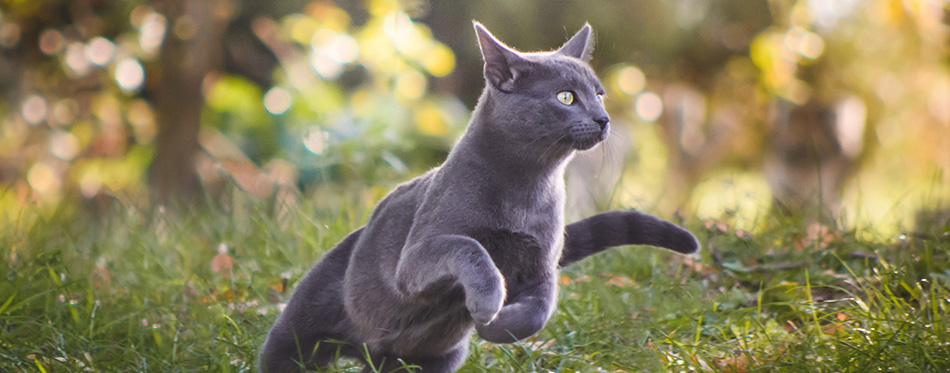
point(588, 135)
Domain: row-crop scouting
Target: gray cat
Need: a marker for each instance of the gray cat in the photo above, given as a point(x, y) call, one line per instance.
point(475, 243)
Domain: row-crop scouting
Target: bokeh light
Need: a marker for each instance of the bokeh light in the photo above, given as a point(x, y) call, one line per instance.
point(316, 140)
point(338, 46)
point(185, 27)
point(438, 60)
point(64, 145)
point(410, 84)
point(403, 33)
point(130, 75)
point(152, 32)
point(277, 101)
point(100, 51)
point(90, 183)
point(137, 15)
point(34, 109)
point(43, 179)
point(64, 112)
point(330, 51)
point(631, 80)
point(300, 28)
point(326, 67)
point(648, 106)
point(430, 120)
point(852, 119)
point(827, 13)
point(51, 42)
point(76, 59)
point(805, 43)
point(9, 35)
point(142, 118)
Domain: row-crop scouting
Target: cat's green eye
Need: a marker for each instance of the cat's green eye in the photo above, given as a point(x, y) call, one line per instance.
point(566, 97)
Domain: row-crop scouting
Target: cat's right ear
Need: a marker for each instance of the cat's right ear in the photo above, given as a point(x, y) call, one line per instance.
point(581, 45)
point(501, 62)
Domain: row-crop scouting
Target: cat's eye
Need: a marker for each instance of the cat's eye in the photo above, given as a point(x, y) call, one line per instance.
point(566, 97)
point(600, 98)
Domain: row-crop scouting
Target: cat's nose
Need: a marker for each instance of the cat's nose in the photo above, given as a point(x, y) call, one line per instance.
point(602, 121)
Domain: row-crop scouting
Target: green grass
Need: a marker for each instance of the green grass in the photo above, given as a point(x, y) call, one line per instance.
point(115, 288)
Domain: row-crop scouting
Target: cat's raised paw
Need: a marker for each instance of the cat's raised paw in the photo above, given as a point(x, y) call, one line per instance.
point(485, 304)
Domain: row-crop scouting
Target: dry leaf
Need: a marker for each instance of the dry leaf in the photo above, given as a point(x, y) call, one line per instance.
point(565, 280)
point(619, 281)
point(222, 263)
point(539, 344)
point(738, 364)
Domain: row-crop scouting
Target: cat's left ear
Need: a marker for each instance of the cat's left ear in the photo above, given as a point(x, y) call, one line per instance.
point(502, 64)
point(581, 45)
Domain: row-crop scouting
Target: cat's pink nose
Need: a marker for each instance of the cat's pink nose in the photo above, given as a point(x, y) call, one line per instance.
point(602, 121)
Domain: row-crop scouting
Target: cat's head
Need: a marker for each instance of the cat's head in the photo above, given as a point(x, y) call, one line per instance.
point(550, 100)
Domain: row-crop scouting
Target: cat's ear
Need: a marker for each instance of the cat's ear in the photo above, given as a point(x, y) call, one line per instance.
point(581, 45)
point(502, 64)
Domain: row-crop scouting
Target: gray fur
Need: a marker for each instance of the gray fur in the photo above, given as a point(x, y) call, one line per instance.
point(475, 243)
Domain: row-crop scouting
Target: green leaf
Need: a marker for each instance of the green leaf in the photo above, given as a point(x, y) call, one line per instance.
point(7, 303)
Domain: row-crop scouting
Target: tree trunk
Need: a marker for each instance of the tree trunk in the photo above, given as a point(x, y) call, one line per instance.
point(185, 59)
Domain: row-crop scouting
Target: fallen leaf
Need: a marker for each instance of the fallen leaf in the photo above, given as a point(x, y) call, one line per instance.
point(565, 280)
point(831, 329)
point(539, 345)
point(738, 364)
point(619, 281)
point(790, 326)
point(222, 263)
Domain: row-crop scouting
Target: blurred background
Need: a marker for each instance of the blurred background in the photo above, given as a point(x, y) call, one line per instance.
point(737, 108)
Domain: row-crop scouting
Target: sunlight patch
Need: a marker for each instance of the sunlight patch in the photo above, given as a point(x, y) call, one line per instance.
point(744, 195)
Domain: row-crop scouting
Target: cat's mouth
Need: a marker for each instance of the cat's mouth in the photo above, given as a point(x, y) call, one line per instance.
point(585, 137)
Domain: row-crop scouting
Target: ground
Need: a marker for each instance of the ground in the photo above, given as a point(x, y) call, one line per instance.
point(124, 288)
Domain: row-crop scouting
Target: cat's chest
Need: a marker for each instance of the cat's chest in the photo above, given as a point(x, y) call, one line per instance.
point(538, 212)
point(521, 257)
point(537, 222)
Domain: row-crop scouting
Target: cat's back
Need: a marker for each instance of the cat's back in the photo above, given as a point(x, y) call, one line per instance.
point(388, 226)
point(403, 200)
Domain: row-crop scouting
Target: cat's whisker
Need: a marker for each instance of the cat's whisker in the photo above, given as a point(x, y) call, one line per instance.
point(557, 142)
point(529, 143)
point(611, 148)
point(604, 156)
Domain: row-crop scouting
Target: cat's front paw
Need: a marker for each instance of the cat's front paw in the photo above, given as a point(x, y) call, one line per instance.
point(485, 300)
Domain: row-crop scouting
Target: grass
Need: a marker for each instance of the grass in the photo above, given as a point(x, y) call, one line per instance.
point(116, 288)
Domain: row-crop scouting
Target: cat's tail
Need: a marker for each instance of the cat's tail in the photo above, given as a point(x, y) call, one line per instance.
point(618, 228)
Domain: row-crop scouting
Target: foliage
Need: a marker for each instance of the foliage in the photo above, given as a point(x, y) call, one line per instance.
point(126, 289)
point(316, 94)
point(348, 101)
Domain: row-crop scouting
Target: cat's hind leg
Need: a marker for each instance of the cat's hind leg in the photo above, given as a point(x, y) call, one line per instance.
point(301, 354)
point(304, 332)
